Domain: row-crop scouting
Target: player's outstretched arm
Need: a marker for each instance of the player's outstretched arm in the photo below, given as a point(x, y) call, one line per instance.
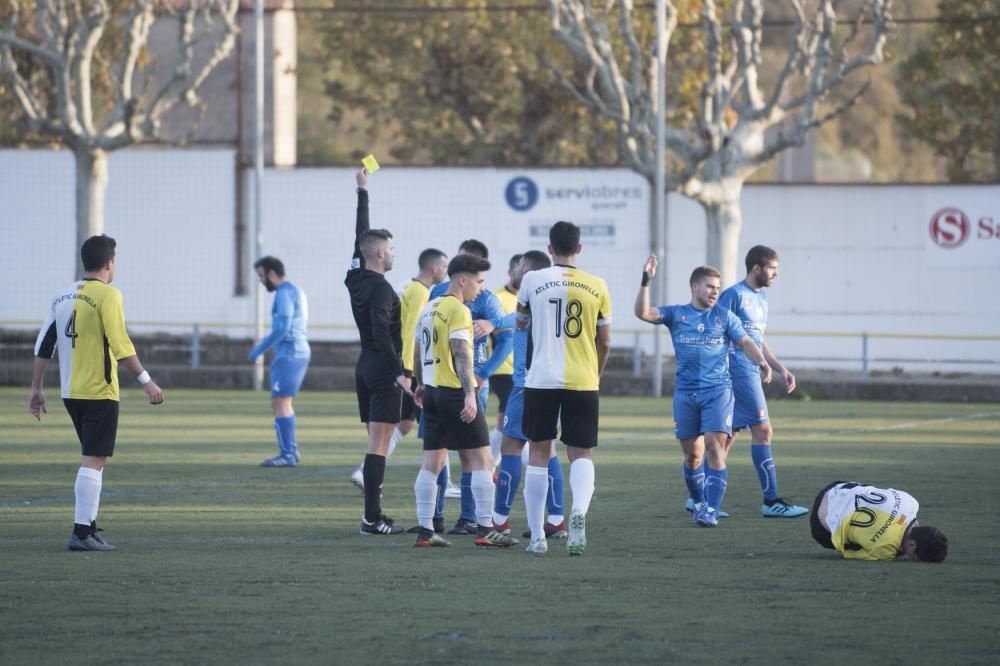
point(642, 308)
point(773, 361)
point(154, 392)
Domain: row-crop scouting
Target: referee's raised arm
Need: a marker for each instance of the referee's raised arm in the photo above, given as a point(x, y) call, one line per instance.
point(362, 222)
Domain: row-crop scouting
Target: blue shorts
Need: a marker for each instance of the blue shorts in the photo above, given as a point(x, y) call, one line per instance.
point(698, 412)
point(287, 373)
point(751, 407)
point(512, 416)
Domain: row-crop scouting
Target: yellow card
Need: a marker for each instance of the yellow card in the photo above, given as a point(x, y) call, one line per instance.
point(370, 163)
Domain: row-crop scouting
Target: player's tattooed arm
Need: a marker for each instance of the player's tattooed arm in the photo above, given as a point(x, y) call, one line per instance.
point(461, 354)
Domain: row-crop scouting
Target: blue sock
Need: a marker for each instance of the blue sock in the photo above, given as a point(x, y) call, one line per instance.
point(695, 480)
point(716, 481)
point(468, 502)
point(442, 486)
point(764, 464)
point(285, 427)
point(555, 504)
point(508, 481)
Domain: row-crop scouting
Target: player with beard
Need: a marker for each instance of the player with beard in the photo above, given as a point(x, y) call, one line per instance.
point(289, 316)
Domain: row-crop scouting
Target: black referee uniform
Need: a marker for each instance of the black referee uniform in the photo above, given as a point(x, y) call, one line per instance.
point(376, 310)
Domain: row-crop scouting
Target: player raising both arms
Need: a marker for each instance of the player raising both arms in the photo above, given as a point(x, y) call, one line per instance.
point(569, 312)
point(703, 398)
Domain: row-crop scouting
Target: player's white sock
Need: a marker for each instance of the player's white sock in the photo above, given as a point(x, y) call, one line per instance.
point(536, 488)
point(425, 491)
point(483, 491)
point(393, 441)
point(496, 439)
point(581, 482)
point(88, 495)
point(93, 517)
point(525, 450)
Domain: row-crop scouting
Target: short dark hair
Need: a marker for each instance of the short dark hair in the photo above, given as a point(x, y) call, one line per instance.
point(467, 263)
point(932, 545)
point(370, 238)
point(536, 259)
point(428, 257)
point(269, 263)
point(564, 238)
point(702, 272)
point(759, 255)
point(96, 252)
point(514, 261)
point(472, 246)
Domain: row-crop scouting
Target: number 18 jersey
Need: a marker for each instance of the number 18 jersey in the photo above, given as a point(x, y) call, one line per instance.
point(566, 305)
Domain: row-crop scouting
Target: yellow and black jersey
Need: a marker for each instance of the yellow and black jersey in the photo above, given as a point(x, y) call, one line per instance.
point(567, 305)
point(444, 319)
point(868, 523)
point(86, 324)
point(412, 300)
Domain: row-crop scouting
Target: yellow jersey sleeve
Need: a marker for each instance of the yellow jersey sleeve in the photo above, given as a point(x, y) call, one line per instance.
point(412, 301)
point(113, 313)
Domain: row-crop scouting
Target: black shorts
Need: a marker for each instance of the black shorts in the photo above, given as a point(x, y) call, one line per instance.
point(819, 532)
point(409, 410)
point(502, 385)
point(444, 429)
point(96, 423)
point(575, 411)
point(379, 396)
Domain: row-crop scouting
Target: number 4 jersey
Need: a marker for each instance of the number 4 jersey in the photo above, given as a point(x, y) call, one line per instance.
point(868, 523)
point(86, 323)
point(567, 306)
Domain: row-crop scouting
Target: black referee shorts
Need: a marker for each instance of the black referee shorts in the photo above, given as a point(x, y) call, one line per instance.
point(502, 385)
point(444, 428)
point(96, 423)
point(409, 410)
point(379, 396)
point(575, 411)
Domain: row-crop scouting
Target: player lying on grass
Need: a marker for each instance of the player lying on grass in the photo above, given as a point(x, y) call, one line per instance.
point(868, 523)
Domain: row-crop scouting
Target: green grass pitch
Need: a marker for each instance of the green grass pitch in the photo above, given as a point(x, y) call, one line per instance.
point(220, 561)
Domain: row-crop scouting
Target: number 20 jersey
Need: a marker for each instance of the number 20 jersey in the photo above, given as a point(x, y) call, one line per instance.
point(566, 305)
point(868, 523)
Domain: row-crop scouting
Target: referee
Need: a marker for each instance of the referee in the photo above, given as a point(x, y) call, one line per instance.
point(378, 377)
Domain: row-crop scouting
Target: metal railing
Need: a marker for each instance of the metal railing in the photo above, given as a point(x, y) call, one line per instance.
point(864, 359)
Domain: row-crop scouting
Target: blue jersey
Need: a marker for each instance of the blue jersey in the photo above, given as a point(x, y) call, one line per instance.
point(486, 306)
point(701, 343)
point(750, 306)
point(522, 340)
point(289, 316)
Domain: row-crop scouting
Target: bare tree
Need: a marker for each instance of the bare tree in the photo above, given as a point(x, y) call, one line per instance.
point(83, 94)
point(736, 126)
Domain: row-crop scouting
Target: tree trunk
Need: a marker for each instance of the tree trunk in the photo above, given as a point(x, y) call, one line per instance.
point(91, 186)
point(724, 220)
